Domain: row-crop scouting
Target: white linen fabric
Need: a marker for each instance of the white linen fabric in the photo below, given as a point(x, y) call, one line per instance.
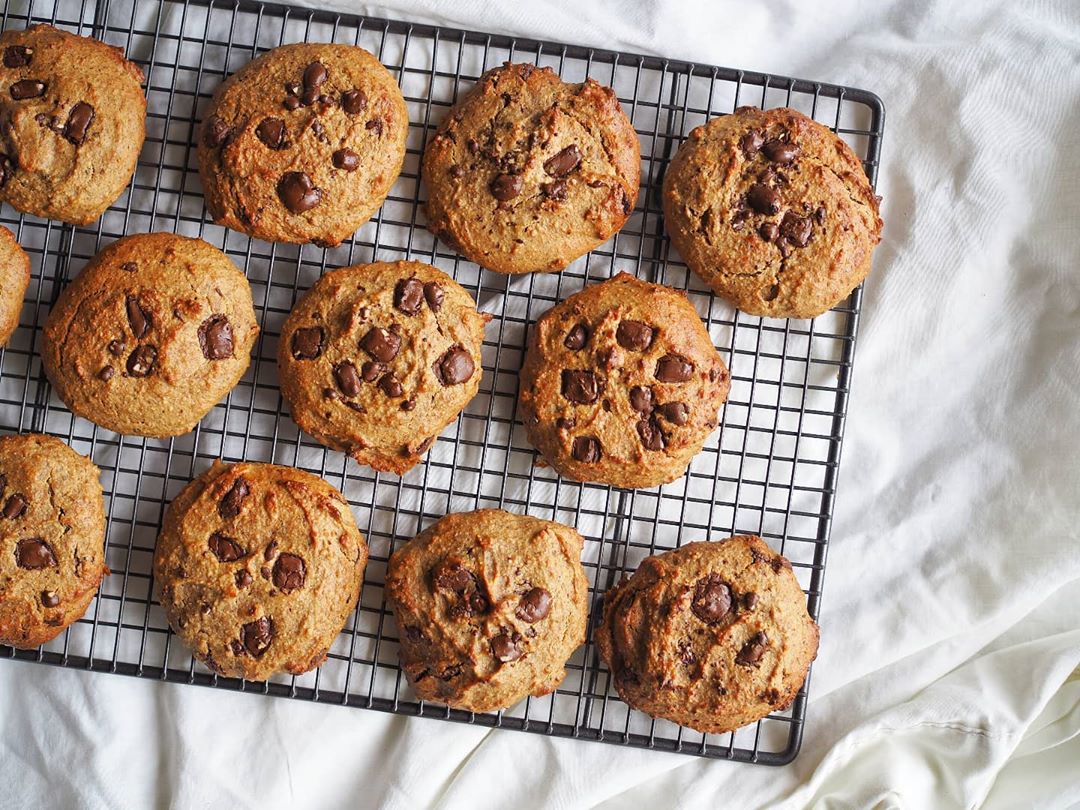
point(948, 672)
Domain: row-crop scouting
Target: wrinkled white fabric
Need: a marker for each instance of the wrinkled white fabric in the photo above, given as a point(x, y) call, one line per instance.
point(948, 672)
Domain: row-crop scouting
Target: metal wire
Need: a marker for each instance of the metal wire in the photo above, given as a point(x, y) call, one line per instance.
point(770, 469)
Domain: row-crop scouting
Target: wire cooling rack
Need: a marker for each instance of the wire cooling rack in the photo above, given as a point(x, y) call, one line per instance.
point(770, 469)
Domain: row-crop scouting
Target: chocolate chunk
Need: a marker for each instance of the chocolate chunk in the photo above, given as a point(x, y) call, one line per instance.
point(769, 231)
point(586, 449)
point(346, 159)
point(780, 152)
point(15, 507)
point(320, 132)
point(50, 598)
point(382, 344)
point(106, 373)
point(577, 337)
point(116, 347)
point(271, 131)
point(243, 579)
point(291, 103)
point(796, 229)
point(506, 186)
point(225, 548)
point(270, 550)
point(634, 335)
point(712, 599)
point(16, 56)
point(675, 412)
point(819, 215)
point(505, 649)
point(27, 88)
point(139, 318)
point(78, 123)
point(289, 573)
point(375, 124)
point(7, 169)
point(229, 506)
point(641, 399)
point(216, 338)
point(452, 576)
point(763, 199)
point(129, 267)
point(354, 101)
point(455, 366)
point(738, 220)
point(297, 192)
point(564, 162)
point(581, 387)
point(751, 142)
point(674, 368)
point(562, 423)
point(347, 378)
point(652, 438)
point(307, 343)
point(753, 650)
point(556, 190)
point(34, 554)
point(257, 635)
point(749, 601)
point(314, 75)
point(408, 404)
point(391, 386)
point(535, 605)
point(409, 295)
point(433, 294)
point(371, 371)
point(216, 132)
point(141, 361)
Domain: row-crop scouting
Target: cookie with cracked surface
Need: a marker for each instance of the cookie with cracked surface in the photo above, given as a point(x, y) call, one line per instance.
point(712, 636)
point(621, 384)
point(489, 607)
point(151, 335)
point(259, 567)
point(773, 211)
point(303, 144)
point(377, 359)
point(74, 120)
point(52, 538)
point(527, 173)
point(14, 278)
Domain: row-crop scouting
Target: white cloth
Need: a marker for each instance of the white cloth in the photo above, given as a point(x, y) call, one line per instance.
point(947, 676)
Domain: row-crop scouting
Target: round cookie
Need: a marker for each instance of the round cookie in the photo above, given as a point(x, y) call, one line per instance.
point(151, 335)
point(773, 211)
point(52, 538)
point(490, 606)
point(303, 144)
point(527, 173)
point(377, 359)
point(621, 384)
point(74, 118)
point(14, 278)
point(712, 636)
point(259, 567)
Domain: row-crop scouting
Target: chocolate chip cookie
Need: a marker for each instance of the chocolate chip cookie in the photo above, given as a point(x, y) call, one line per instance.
point(773, 211)
point(14, 278)
point(52, 538)
point(259, 567)
point(72, 123)
point(527, 172)
point(377, 359)
point(303, 144)
point(489, 607)
point(621, 384)
point(712, 636)
point(154, 331)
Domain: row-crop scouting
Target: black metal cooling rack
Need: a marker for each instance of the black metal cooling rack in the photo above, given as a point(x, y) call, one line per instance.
point(770, 469)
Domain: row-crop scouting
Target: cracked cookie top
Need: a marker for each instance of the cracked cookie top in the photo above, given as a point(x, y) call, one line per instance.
point(622, 384)
point(154, 331)
point(303, 144)
point(52, 538)
point(259, 567)
point(527, 173)
point(773, 211)
point(489, 607)
point(72, 123)
point(377, 359)
point(712, 635)
point(14, 278)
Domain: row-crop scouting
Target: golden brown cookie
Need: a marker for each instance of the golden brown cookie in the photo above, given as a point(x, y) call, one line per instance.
point(489, 606)
point(712, 636)
point(527, 172)
point(377, 359)
point(773, 211)
point(259, 567)
point(14, 278)
point(52, 538)
point(621, 384)
point(303, 144)
point(74, 120)
point(151, 335)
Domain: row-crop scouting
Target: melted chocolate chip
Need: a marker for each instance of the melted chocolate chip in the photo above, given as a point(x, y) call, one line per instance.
point(34, 554)
point(50, 599)
point(505, 648)
point(140, 319)
point(314, 75)
point(243, 579)
point(256, 636)
point(15, 507)
point(652, 438)
point(675, 412)
point(27, 88)
point(354, 101)
point(433, 294)
point(216, 132)
point(751, 142)
point(382, 344)
point(229, 506)
point(455, 366)
point(634, 335)
point(753, 650)
point(535, 605)
point(216, 338)
point(506, 186)
point(780, 152)
point(819, 215)
point(347, 379)
point(738, 220)
point(106, 373)
point(346, 159)
point(577, 337)
point(796, 229)
point(371, 371)
point(16, 56)
point(763, 199)
point(563, 162)
point(641, 399)
point(289, 573)
point(556, 190)
point(582, 387)
point(78, 123)
point(712, 599)
point(674, 368)
point(297, 192)
point(271, 131)
point(141, 361)
point(769, 231)
point(307, 343)
point(129, 267)
point(116, 347)
point(586, 449)
point(391, 386)
point(225, 548)
point(409, 295)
